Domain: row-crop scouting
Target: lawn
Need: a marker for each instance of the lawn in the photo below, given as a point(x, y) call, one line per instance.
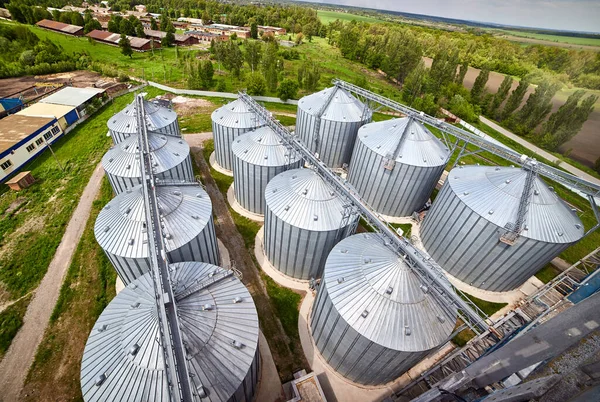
point(88, 288)
point(547, 273)
point(555, 38)
point(11, 320)
point(327, 16)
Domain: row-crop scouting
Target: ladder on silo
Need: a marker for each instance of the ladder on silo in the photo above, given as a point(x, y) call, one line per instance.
point(390, 160)
point(318, 115)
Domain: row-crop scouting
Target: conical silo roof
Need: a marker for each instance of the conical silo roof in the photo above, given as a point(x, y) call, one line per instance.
point(494, 193)
point(157, 117)
point(120, 228)
point(167, 152)
point(235, 114)
point(379, 296)
point(123, 360)
point(408, 140)
point(303, 199)
point(262, 147)
point(342, 107)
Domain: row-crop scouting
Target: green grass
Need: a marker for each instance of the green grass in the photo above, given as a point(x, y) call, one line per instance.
point(285, 120)
point(11, 320)
point(88, 288)
point(547, 273)
point(196, 123)
point(327, 16)
point(222, 181)
point(555, 38)
point(487, 307)
point(406, 228)
point(32, 233)
point(287, 306)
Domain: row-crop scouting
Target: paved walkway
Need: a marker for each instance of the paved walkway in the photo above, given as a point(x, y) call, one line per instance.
point(15, 364)
point(546, 155)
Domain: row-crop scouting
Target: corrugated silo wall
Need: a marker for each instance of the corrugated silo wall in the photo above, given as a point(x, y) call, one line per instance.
point(247, 389)
point(398, 192)
point(349, 353)
point(224, 137)
point(171, 129)
point(305, 128)
point(202, 248)
point(183, 171)
point(299, 253)
point(336, 142)
point(251, 180)
point(468, 247)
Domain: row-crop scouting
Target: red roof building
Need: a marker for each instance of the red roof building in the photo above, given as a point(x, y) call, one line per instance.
point(137, 44)
point(60, 27)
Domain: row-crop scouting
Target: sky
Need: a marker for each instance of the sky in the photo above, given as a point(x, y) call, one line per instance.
point(572, 15)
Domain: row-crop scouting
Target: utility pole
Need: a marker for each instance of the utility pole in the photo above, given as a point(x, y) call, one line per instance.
point(53, 154)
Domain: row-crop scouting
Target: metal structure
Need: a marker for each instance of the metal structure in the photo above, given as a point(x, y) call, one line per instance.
point(123, 358)
point(465, 230)
point(122, 232)
point(304, 219)
point(157, 118)
point(229, 122)
point(258, 156)
point(396, 165)
point(170, 157)
point(423, 266)
point(373, 318)
point(457, 138)
point(327, 122)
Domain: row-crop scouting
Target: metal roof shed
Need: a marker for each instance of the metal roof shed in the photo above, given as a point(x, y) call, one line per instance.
point(71, 96)
point(66, 115)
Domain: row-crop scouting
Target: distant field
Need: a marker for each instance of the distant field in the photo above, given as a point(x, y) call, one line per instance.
point(329, 16)
point(554, 38)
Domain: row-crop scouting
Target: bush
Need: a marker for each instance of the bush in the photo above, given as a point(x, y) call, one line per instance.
point(287, 90)
point(463, 109)
point(221, 87)
point(123, 78)
point(256, 84)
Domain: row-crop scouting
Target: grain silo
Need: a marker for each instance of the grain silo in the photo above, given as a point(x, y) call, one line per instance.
point(373, 319)
point(229, 122)
point(171, 157)
point(304, 219)
point(327, 123)
point(258, 156)
point(123, 360)
point(463, 229)
point(188, 226)
point(158, 119)
point(396, 165)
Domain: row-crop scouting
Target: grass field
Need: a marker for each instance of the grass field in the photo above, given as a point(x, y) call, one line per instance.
point(555, 38)
point(88, 288)
point(327, 16)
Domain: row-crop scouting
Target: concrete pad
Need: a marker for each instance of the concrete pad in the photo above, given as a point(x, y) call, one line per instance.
point(239, 209)
point(119, 285)
point(224, 253)
point(269, 269)
point(269, 387)
point(213, 163)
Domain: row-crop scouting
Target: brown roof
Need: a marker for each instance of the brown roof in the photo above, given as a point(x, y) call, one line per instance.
point(161, 34)
point(15, 128)
point(114, 38)
point(59, 26)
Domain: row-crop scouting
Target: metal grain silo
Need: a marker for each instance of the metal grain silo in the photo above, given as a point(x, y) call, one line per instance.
point(372, 319)
point(304, 219)
point(120, 229)
point(462, 231)
point(327, 123)
point(158, 118)
point(229, 122)
point(396, 165)
point(123, 360)
point(171, 156)
point(258, 156)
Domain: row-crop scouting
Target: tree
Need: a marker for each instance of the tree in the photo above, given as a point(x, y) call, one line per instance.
point(462, 72)
point(234, 59)
point(597, 165)
point(253, 29)
point(443, 70)
point(168, 40)
point(309, 75)
point(500, 95)
point(299, 38)
point(153, 24)
point(270, 65)
point(462, 108)
point(536, 108)
point(566, 122)
point(114, 24)
point(515, 99)
point(91, 25)
point(126, 28)
point(401, 55)
point(206, 74)
point(478, 89)
point(256, 84)
point(76, 19)
point(414, 83)
point(287, 90)
point(253, 53)
point(164, 22)
point(125, 46)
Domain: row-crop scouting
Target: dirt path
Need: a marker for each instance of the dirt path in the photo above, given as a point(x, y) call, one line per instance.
point(20, 355)
point(226, 230)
